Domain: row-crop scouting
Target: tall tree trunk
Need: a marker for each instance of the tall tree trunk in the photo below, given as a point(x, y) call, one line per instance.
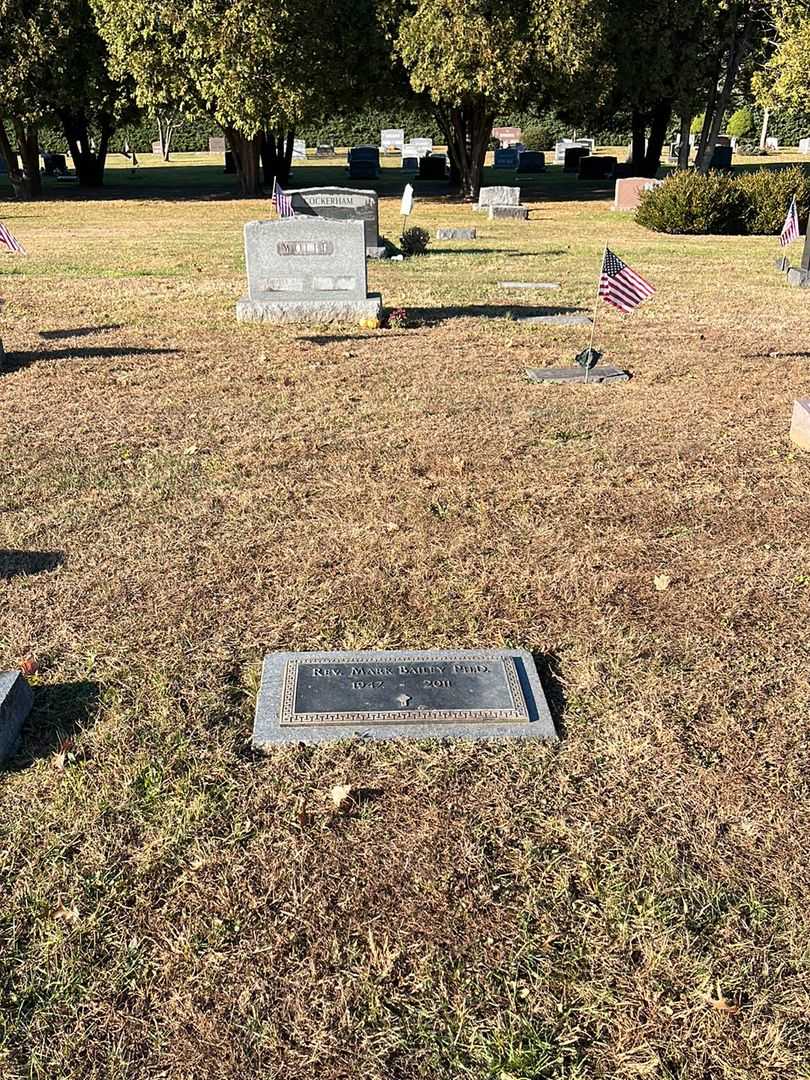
point(738, 50)
point(686, 131)
point(269, 154)
point(286, 167)
point(19, 181)
point(638, 146)
point(763, 137)
point(28, 143)
point(468, 129)
point(707, 119)
point(88, 161)
point(662, 114)
point(246, 153)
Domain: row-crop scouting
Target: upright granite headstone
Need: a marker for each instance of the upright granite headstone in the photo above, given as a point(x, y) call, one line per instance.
point(531, 161)
point(433, 167)
point(506, 158)
point(306, 269)
point(364, 162)
point(471, 694)
point(722, 157)
point(629, 191)
point(421, 146)
point(216, 145)
point(506, 136)
point(410, 162)
point(324, 150)
point(299, 149)
point(341, 204)
point(392, 140)
point(804, 146)
point(15, 704)
point(573, 156)
point(593, 167)
point(498, 196)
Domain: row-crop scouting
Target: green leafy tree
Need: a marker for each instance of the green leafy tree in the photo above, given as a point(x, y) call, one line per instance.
point(784, 80)
point(258, 69)
point(741, 123)
point(472, 59)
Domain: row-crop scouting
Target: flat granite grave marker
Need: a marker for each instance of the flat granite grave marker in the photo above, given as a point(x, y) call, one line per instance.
point(15, 705)
point(607, 375)
point(465, 693)
point(529, 284)
point(455, 234)
point(341, 204)
point(520, 212)
point(306, 269)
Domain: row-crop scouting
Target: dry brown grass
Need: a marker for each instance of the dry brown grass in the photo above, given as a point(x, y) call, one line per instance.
point(630, 904)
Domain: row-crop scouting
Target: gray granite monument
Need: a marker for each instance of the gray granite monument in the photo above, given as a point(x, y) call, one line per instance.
point(342, 204)
point(466, 693)
point(497, 196)
point(306, 269)
point(15, 704)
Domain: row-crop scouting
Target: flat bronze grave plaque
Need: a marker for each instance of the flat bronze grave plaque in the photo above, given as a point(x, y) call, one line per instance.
point(318, 697)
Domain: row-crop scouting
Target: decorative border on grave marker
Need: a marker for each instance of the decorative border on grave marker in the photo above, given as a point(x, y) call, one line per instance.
point(519, 712)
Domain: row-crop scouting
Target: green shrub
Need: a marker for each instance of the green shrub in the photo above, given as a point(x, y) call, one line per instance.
point(769, 192)
point(414, 241)
point(741, 123)
point(697, 124)
point(753, 202)
point(537, 137)
point(689, 202)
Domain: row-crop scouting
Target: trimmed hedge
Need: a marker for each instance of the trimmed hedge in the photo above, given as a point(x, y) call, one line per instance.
point(744, 203)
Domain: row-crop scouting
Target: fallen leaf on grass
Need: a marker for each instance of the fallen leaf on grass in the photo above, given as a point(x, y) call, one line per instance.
point(67, 914)
point(662, 581)
point(29, 665)
point(63, 755)
point(720, 1003)
point(342, 796)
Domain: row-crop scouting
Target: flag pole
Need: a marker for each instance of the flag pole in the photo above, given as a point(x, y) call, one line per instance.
point(595, 313)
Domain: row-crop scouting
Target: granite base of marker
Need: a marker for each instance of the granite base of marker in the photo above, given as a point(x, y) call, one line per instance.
point(455, 234)
point(577, 375)
point(308, 311)
point(781, 263)
point(16, 700)
point(554, 320)
point(268, 730)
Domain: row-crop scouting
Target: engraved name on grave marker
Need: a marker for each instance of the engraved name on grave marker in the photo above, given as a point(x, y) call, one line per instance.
point(318, 697)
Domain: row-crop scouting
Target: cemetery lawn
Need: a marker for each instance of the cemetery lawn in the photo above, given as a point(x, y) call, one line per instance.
point(181, 494)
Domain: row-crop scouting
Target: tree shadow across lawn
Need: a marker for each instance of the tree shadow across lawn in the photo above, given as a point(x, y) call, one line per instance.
point(16, 361)
point(59, 713)
point(22, 563)
point(79, 331)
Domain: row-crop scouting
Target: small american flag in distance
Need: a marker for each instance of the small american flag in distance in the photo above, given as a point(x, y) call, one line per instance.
point(621, 286)
point(9, 241)
point(282, 203)
point(790, 230)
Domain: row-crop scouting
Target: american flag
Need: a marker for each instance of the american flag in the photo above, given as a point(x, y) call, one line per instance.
point(10, 242)
point(621, 286)
point(282, 203)
point(790, 230)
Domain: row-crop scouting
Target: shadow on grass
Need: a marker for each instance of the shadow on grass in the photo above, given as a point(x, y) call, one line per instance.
point(59, 713)
point(330, 339)
point(512, 312)
point(550, 672)
point(18, 360)
point(22, 563)
point(508, 252)
point(79, 331)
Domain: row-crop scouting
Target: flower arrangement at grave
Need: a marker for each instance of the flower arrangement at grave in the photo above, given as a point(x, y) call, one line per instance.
point(397, 318)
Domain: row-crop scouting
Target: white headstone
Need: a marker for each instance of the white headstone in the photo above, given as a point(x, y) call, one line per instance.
point(407, 201)
point(299, 149)
point(392, 139)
